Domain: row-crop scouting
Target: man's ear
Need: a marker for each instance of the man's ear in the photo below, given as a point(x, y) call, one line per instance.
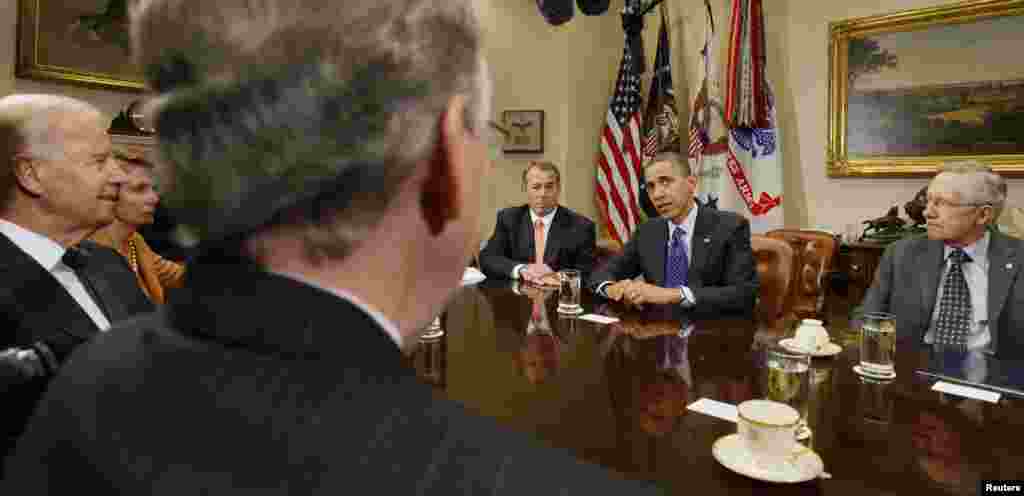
point(26, 173)
point(693, 181)
point(441, 199)
point(988, 215)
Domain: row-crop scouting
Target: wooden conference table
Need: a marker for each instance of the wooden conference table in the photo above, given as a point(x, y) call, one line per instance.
point(616, 395)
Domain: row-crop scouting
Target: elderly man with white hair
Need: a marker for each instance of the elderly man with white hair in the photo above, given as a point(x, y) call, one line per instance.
point(960, 286)
point(58, 185)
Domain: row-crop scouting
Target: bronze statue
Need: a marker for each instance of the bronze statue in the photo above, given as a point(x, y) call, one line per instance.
point(884, 229)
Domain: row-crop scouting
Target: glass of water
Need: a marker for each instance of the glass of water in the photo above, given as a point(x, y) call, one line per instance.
point(569, 292)
point(789, 382)
point(878, 345)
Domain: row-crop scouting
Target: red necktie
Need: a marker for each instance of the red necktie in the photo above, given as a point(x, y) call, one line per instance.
point(538, 241)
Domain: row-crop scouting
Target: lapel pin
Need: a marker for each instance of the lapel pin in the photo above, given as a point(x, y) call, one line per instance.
point(707, 240)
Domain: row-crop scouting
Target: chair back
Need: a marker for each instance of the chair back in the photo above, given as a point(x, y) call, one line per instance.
point(606, 250)
point(815, 254)
point(775, 270)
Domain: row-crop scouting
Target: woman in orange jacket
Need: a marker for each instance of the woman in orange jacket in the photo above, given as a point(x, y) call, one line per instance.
point(137, 201)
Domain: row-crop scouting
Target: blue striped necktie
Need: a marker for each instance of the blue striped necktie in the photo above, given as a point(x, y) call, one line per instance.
point(676, 264)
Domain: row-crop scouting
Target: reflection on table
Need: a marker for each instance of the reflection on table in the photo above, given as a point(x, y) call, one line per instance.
point(616, 395)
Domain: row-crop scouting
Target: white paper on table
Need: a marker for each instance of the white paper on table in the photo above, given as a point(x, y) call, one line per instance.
point(472, 276)
point(600, 319)
point(714, 408)
point(966, 391)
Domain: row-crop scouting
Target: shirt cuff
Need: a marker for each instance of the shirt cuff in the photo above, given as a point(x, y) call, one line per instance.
point(515, 271)
point(600, 288)
point(688, 299)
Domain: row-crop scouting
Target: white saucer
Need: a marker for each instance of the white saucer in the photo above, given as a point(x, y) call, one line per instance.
point(872, 375)
point(829, 350)
point(733, 454)
point(577, 311)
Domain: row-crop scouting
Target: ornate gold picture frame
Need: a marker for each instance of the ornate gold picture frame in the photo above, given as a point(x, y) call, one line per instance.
point(913, 89)
point(83, 42)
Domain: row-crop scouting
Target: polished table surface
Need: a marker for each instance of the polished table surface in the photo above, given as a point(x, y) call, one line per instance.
point(616, 395)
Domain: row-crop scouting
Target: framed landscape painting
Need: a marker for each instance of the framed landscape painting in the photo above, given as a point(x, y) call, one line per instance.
point(81, 42)
point(910, 90)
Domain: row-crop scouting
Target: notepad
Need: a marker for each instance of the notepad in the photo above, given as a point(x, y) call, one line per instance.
point(600, 319)
point(966, 391)
point(714, 408)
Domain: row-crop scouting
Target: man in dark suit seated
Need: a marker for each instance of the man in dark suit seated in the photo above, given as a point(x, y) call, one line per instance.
point(691, 255)
point(959, 285)
point(58, 185)
point(331, 168)
point(533, 241)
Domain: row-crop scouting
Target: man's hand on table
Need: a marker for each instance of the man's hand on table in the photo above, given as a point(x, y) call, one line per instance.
point(635, 293)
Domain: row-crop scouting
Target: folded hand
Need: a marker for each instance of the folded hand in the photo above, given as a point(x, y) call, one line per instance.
point(551, 279)
point(534, 272)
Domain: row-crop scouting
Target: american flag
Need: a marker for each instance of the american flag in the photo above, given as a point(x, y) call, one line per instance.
point(696, 143)
point(618, 168)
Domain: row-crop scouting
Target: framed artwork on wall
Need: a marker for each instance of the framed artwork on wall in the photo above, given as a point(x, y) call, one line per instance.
point(913, 89)
point(526, 131)
point(83, 42)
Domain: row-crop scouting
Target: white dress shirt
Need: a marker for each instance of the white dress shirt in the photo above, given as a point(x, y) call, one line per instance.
point(976, 275)
point(48, 254)
point(389, 327)
point(547, 219)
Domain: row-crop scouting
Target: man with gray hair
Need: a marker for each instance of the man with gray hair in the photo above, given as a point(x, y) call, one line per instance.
point(958, 286)
point(58, 185)
point(328, 155)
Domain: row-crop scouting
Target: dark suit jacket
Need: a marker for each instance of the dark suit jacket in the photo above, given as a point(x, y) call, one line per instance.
point(571, 243)
point(225, 392)
point(907, 282)
point(35, 308)
point(722, 273)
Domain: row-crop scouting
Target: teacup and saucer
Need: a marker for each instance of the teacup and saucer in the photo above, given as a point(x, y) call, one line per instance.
point(811, 338)
point(765, 446)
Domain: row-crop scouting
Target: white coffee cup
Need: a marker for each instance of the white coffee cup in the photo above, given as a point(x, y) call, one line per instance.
point(768, 428)
point(811, 336)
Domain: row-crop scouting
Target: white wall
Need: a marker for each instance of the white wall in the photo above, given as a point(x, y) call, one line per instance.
point(568, 72)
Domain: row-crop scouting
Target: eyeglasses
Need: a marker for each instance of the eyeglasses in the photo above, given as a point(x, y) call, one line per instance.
point(944, 204)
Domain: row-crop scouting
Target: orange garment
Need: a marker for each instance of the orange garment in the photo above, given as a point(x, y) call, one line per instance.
point(154, 273)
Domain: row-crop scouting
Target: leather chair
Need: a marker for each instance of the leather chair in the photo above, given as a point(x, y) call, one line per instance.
point(607, 249)
point(775, 270)
point(815, 256)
